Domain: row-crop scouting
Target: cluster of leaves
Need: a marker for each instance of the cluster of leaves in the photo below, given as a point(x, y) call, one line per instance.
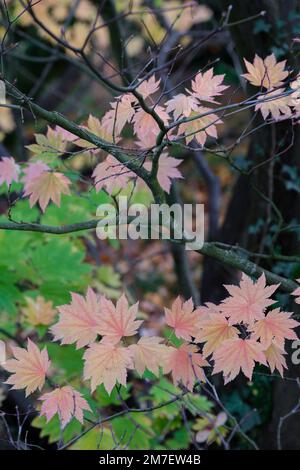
point(278, 101)
point(191, 118)
point(235, 335)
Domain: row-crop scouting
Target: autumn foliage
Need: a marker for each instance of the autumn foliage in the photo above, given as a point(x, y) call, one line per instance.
point(232, 337)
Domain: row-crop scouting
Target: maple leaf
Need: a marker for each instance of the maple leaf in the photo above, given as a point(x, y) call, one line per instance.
point(183, 318)
point(248, 301)
point(95, 127)
point(107, 363)
point(111, 175)
point(66, 402)
point(200, 128)
point(206, 310)
point(45, 187)
point(296, 293)
point(237, 354)
point(148, 87)
point(185, 364)
point(9, 171)
point(146, 127)
point(38, 311)
point(122, 112)
point(29, 368)
point(33, 170)
point(181, 105)
point(118, 320)
point(279, 108)
point(148, 353)
point(214, 331)
point(167, 170)
point(51, 144)
point(79, 322)
point(275, 358)
point(265, 72)
point(275, 327)
point(206, 86)
point(67, 136)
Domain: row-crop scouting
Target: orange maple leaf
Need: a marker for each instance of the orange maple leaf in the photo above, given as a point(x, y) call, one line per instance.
point(214, 331)
point(29, 368)
point(118, 320)
point(265, 72)
point(45, 187)
point(107, 363)
point(185, 365)
point(248, 301)
point(65, 401)
point(79, 322)
point(148, 353)
point(237, 354)
point(275, 327)
point(183, 318)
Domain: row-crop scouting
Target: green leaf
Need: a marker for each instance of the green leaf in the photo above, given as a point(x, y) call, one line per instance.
point(96, 439)
point(52, 429)
point(161, 393)
point(104, 399)
point(67, 359)
point(180, 440)
point(59, 261)
point(130, 432)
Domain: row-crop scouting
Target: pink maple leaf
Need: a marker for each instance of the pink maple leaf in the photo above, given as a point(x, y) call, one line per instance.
point(29, 368)
point(275, 327)
point(107, 363)
point(9, 171)
point(181, 105)
point(33, 170)
point(66, 402)
point(206, 86)
point(238, 354)
point(111, 175)
point(79, 322)
point(167, 171)
point(118, 321)
point(146, 127)
point(248, 301)
point(185, 365)
point(67, 136)
point(45, 187)
point(183, 318)
point(148, 87)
